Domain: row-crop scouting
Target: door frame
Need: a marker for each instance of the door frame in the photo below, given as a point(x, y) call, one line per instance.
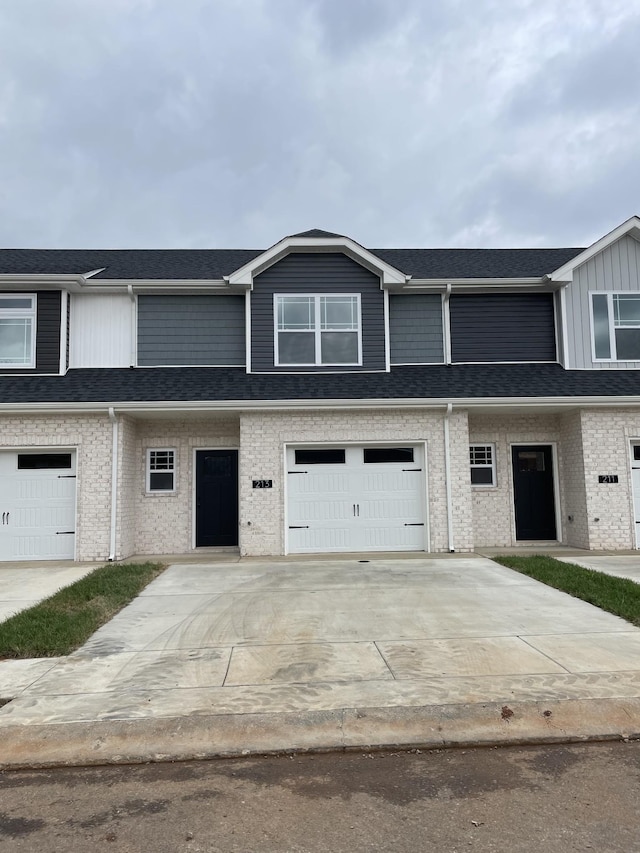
point(556, 490)
point(291, 445)
point(194, 491)
point(55, 448)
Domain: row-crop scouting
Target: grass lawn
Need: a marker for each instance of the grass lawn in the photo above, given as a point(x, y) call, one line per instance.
point(63, 622)
point(616, 595)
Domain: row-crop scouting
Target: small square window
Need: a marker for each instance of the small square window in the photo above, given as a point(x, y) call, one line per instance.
point(161, 470)
point(482, 461)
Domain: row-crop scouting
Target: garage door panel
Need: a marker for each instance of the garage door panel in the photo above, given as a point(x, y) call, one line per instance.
point(356, 506)
point(38, 507)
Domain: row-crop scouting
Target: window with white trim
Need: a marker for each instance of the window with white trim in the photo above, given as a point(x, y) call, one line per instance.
point(615, 326)
point(17, 330)
point(318, 330)
point(483, 466)
point(161, 470)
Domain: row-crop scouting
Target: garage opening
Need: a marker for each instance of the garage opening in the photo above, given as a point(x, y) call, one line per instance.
point(37, 505)
point(356, 498)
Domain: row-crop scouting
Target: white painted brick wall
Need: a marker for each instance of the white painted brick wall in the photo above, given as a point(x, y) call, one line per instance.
point(91, 435)
point(164, 523)
point(493, 509)
point(263, 436)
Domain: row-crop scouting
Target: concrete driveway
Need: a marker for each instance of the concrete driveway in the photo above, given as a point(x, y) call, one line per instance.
point(275, 655)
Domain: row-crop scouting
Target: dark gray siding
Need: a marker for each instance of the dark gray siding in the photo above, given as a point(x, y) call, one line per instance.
point(48, 317)
point(415, 328)
point(317, 273)
point(191, 330)
point(509, 327)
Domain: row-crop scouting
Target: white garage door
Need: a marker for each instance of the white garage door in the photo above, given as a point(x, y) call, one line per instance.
point(37, 505)
point(356, 499)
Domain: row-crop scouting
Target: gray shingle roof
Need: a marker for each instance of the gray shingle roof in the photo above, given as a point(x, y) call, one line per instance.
point(224, 384)
point(215, 263)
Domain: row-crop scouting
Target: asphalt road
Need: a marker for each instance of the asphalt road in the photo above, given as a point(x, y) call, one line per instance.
point(553, 799)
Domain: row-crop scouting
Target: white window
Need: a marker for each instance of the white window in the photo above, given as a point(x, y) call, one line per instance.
point(17, 330)
point(161, 470)
point(317, 330)
point(482, 461)
point(615, 326)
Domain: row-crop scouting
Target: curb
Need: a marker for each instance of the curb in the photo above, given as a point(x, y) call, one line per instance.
point(230, 735)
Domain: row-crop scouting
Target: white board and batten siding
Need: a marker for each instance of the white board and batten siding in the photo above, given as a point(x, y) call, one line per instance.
point(101, 330)
point(615, 269)
point(356, 506)
point(37, 507)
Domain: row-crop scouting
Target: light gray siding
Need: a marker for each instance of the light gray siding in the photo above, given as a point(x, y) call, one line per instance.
point(312, 273)
point(616, 268)
point(415, 328)
point(180, 330)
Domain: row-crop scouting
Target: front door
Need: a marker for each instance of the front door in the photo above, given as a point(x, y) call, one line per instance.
point(533, 492)
point(216, 497)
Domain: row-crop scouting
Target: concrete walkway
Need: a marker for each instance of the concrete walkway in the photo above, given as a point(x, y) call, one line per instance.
point(620, 566)
point(23, 586)
point(256, 656)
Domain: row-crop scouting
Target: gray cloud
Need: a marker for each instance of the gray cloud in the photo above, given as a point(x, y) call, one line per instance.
point(150, 123)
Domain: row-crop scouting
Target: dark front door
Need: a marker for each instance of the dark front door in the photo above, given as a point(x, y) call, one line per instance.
point(533, 492)
point(216, 497)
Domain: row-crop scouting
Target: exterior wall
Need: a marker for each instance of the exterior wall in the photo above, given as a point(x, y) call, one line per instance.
point(127, 473)
point(100, 330)
point(312, 273)
point(163, 523)
point(616, 268)
point(191, 329)
point(48, 322)
point(493, 509)
point(576, 524)
point(262, 439)
point(605, 436)
point(91, 435)
point(415, 328)
point(502, 327)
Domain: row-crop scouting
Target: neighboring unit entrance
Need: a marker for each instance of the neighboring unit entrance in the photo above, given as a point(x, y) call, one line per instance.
point(533, 491)
point(635, 479)
point(216, 497)
point(37, 505)
point(356, 499)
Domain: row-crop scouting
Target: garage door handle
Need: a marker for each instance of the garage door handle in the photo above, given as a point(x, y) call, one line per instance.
point(297, 472)
point(415, 524)
point(64, 532)
point(298, 527)
point(412, 469)
point(3, 515)
point(3, 518)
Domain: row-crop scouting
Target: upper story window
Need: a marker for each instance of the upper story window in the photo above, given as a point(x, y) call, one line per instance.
point(615, 326)
point(318, 330)
point(17, 330)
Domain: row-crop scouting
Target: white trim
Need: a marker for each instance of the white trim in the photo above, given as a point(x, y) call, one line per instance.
point(173, 470)
point(613, 345)
point(631, 228)
point(635, 528)
point(143, 407)
point(479, 285)
point(564, 327)
point(247, 330)
point(317, 330)
point(30, 314)
point(556, 489)
point(64, 330)
point(245, 274)
point(387, 338)
point(133, 355)
point(446, 325)
point(494, 474)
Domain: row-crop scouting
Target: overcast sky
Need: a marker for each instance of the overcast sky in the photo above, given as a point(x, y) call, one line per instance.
point(232, 123)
